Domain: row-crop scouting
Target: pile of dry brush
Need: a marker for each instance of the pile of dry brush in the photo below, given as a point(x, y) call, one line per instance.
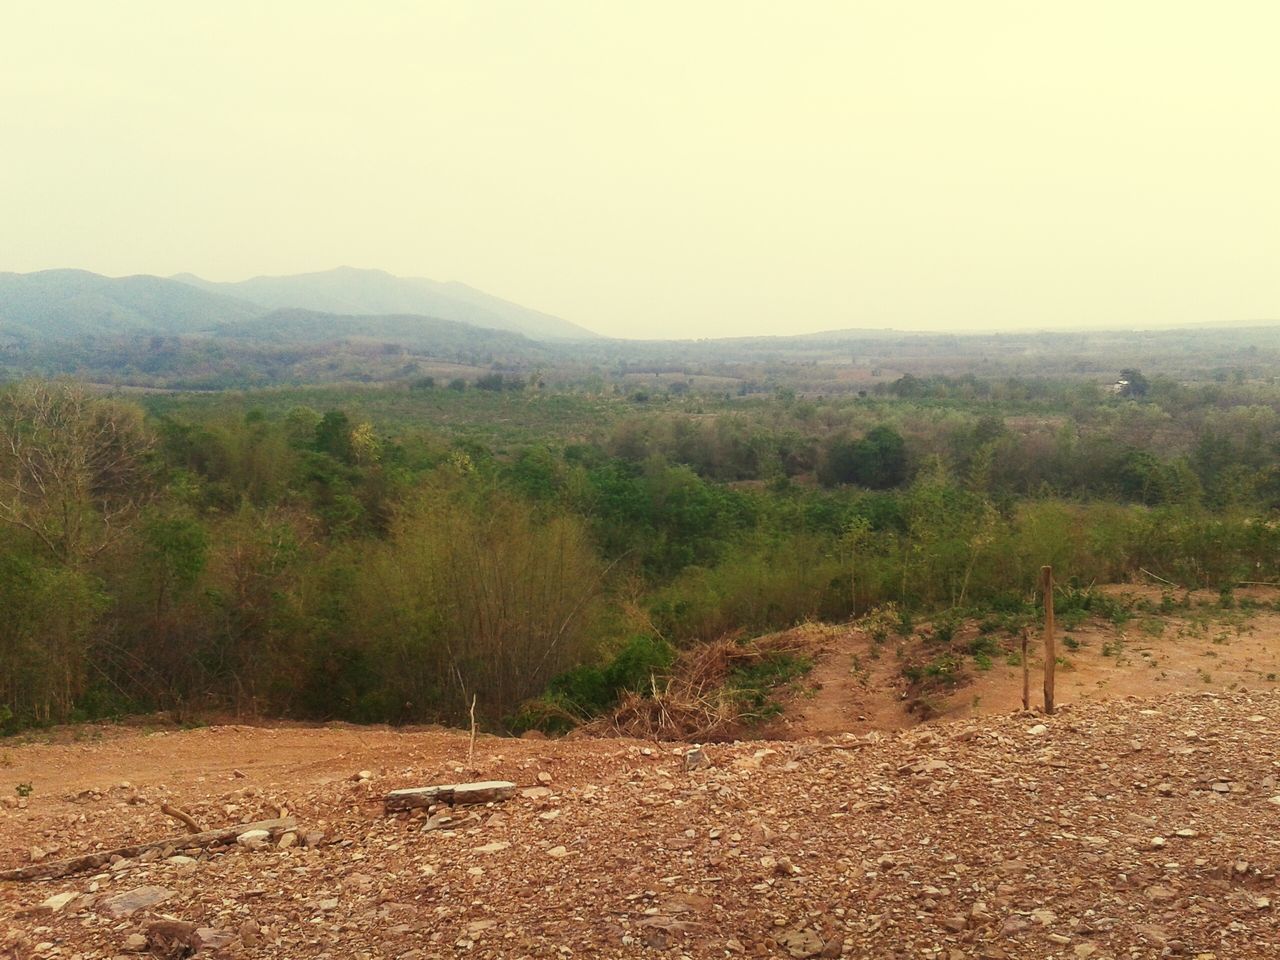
point(696, 701)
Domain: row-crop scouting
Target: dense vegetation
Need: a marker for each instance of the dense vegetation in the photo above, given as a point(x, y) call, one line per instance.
point(387, 554)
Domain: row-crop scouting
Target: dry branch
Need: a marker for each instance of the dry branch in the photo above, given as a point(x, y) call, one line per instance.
point(179, 814)
point(91, 861)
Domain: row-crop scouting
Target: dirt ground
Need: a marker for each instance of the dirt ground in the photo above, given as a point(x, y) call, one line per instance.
point(857, 685)
point(1141, 821)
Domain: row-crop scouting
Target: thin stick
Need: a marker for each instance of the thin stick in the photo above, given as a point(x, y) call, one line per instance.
point(471, 747)
point(1050, 653)
point(1154, 577)
point(1026, 673)
point(91, 861)
point(179, 814)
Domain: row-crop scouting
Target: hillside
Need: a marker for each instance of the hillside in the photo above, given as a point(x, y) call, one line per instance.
point(348, 291)
point(442, 337)
point(66, 304)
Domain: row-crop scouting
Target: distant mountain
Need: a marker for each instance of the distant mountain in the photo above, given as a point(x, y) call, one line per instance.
point(445, 338)
point(65, 304)
point(352, 292)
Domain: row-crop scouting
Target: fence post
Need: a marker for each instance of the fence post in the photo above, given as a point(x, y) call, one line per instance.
point(1050, 651)
point(1026, 672)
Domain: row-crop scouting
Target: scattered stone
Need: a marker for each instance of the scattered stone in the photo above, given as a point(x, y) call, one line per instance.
point(801, 942)
point(1038, 730)
point(696, 759)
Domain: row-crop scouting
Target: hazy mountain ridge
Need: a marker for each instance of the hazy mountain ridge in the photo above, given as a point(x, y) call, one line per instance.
point(349, 291)
point(70, 304)
point(64, 304)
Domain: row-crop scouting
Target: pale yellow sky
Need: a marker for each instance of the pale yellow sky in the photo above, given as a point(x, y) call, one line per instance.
point(667, 168)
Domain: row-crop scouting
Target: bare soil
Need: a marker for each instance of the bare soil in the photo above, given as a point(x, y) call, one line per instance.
point(1141, 821)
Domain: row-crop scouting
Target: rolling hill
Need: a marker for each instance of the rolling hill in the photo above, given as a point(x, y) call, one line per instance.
point(68, 304)
point(352, 292)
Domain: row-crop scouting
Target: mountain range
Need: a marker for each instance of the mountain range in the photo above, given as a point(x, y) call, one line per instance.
point(70, 304)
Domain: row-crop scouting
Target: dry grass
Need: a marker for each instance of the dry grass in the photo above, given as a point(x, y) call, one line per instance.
point(695, 702)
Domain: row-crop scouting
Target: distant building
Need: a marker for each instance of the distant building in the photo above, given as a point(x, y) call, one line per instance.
point(1120, 388)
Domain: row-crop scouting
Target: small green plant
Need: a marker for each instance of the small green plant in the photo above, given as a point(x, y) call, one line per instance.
point(944, 629)
point(6, 759)
point(905, 623)
point(1013, 659)
point(982, 661)
point(1070, 642)
point(24, 789)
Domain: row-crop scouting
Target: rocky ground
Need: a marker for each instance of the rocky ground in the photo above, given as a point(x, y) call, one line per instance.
point(1129, 828)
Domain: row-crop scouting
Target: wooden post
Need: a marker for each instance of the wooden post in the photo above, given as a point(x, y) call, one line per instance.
point(1050, 651)
point(1026, 672)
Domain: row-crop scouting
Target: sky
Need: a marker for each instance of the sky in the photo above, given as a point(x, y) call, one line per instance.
point(666, 168)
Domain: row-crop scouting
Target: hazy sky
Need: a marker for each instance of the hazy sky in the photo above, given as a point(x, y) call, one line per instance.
point(666, 168)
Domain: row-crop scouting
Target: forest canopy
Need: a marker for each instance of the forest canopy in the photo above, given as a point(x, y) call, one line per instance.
point(380, 554)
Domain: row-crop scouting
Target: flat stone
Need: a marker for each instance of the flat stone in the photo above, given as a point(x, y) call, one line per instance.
point(211, 938)
point(123, 904)
point(57, 902)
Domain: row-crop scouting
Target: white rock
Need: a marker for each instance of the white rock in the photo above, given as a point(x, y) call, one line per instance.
point(57, 902)
point(254, 839)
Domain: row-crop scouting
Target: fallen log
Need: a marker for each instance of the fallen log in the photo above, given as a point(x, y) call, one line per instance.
point(90, 861)
point(454, 794)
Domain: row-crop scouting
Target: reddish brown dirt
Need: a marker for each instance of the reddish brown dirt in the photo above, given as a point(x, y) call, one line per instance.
point(1123, 827)
point(858, 685)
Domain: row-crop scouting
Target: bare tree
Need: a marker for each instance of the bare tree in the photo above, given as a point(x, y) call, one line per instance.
point(74, 469)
